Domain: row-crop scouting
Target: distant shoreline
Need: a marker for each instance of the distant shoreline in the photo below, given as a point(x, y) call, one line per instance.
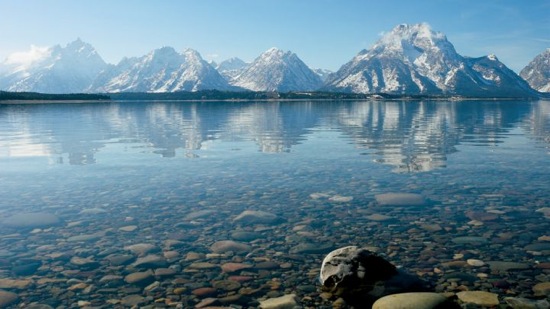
point(227, 96)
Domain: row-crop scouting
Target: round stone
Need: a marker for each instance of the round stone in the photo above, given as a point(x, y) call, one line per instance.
point(140, 277)
point(475, 263)
point(227, 285)
point(204, 292)
point(229, 245)
point(542, 289)
point(283, 302)
point(132, 300)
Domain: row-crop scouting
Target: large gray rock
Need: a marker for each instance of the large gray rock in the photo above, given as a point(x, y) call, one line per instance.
point(351, 267)
point(361, 276)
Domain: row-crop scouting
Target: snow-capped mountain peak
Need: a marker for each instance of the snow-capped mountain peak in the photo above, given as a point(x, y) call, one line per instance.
point(52, 70)
point(414, 59)
point(277, 70)
point(231, 67)
point(161, 70)
point(537, 72)
point(419, 35)
point(81, 47)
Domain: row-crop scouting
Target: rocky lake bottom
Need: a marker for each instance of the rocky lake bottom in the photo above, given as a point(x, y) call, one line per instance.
point(229, 226)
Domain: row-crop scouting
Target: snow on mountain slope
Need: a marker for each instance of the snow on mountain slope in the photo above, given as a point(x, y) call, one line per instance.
point(231, 68)
point(161, 70)
point(56, 69)
point(537, 72)
point(323, 73)
point(277, 70)
point(414, 59)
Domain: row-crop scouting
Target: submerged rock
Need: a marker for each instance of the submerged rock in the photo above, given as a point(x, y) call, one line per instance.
point(256, 217)
point(524, 303)
point(312, 248)
point(31, 220)
point(480, 298)
point(229, 245)
point(419, 300)
point(400, 199)
point(142, 249)
point(283, 302)
point(7, 298)
point(542, 289)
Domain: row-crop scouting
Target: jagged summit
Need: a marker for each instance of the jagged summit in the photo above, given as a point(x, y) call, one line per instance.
point(537, 72)
point(231, 67)
point(161, 70)
point(56, 69)
point(414, 59)
point(404, 36)
point(277, 70)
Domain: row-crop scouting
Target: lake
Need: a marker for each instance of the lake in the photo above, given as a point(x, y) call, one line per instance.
point(124, 203)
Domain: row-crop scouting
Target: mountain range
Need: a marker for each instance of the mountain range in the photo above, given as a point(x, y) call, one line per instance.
point(408, 60)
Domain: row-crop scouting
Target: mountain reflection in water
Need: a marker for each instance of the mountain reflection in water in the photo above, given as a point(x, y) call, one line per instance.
point(410, 136)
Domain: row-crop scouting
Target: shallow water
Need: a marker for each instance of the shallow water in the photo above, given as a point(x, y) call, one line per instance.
point(483, 167)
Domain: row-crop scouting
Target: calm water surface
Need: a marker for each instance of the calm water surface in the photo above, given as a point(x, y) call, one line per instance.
point(155, 167)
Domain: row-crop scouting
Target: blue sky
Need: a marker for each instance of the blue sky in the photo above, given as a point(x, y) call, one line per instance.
point(324, 33)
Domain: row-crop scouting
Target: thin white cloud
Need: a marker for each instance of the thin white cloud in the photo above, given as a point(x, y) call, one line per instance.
point(26, 58)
